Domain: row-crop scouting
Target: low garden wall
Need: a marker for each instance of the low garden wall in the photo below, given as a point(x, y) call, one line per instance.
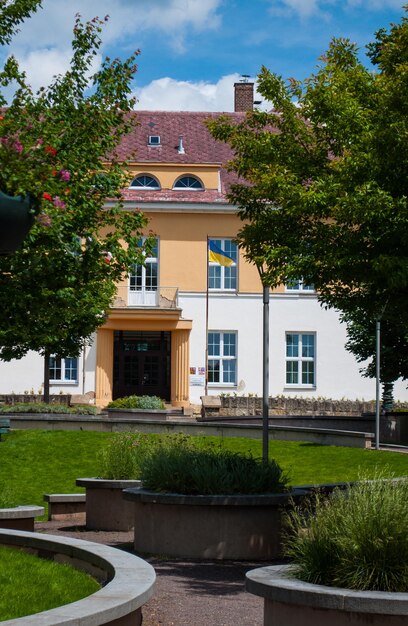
point(288, 600)
point(191, 427)
point(105, 507)
point(20, 517)
point(129, 581)
point(284, 405)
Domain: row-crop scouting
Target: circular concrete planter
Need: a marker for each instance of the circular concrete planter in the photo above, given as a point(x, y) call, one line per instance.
point(127, 581)
point(20, 517)
point(246, 527)
point(291, 601)
point(105, 507)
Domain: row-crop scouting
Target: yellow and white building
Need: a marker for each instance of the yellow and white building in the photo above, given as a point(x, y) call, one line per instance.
point(154, 341)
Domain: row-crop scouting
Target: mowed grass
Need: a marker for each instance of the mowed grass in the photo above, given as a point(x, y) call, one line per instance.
point(30, 585)
point(35, 462)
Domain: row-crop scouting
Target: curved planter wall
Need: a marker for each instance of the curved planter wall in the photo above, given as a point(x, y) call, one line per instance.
point(20, 517)
point(118, 603)
point(293, 602)
point(208, 527)
point(105, 507)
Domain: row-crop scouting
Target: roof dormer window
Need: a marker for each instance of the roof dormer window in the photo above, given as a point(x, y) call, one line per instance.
point(145, 181)
point(154, 140)
point(191, 183)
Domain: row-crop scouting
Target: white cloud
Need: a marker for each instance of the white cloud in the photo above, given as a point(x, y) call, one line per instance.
point(43, 43)
point(168, 94)
point(42, 65)
point(52, 25)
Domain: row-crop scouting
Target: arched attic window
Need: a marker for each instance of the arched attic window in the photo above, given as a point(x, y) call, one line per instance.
point(190, 183)
point(145, 181)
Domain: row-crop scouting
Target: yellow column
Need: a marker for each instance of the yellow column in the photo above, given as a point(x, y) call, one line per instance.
point(104, 367)
point(180, 367)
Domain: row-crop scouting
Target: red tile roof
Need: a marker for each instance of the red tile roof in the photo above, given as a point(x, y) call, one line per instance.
point(199, 147)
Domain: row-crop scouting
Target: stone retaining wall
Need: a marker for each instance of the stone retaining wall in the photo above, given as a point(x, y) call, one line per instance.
point(281, 405)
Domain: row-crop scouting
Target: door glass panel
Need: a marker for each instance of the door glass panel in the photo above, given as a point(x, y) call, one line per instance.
point(151, 370)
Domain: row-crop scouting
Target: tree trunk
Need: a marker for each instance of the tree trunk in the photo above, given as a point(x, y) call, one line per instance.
point(47, 377)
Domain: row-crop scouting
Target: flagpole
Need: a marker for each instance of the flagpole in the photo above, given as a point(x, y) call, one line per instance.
point(206, 326)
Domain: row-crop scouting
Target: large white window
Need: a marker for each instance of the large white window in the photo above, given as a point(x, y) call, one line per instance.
point(63, 370)
point(143, 279)
point(223, 277)
point(299, 285)
point(222, 358)
point(300, 359)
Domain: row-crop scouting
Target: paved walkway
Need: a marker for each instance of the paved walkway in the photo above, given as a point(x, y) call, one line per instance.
point(187, 593)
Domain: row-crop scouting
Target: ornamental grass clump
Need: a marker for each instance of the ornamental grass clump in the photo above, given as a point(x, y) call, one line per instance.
point(179, 465)
point(120, 459)
point(356, 539)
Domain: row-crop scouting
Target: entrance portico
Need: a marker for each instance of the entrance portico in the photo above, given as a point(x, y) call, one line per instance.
point(143, 352)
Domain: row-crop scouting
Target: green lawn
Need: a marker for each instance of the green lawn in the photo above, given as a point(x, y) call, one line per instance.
point(34, 462)
point(19, 596)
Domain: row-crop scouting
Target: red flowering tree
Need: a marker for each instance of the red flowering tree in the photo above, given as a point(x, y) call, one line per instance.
point(58, 145)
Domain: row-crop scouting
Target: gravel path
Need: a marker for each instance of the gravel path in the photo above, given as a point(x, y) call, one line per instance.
point(187, 593)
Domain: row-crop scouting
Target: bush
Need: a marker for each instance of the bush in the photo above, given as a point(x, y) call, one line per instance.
point(177, 464)
point(357, 539)
point(137, 402)
point(120, 460)
point(42, 407)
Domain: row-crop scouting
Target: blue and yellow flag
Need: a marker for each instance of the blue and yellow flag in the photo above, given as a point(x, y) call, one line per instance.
point(216, 255)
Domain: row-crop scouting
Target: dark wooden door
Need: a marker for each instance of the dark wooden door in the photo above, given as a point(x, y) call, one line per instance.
point(142, 364)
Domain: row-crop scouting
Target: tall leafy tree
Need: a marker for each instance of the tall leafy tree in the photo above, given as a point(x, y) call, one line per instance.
point(324, 178)
point(58, 146)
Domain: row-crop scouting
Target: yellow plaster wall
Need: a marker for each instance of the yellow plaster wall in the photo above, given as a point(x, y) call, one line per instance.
point(183, 249)
point(168, 173)
point(183, 253)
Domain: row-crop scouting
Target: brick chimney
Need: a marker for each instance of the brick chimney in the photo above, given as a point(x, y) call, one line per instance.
point(243, 96)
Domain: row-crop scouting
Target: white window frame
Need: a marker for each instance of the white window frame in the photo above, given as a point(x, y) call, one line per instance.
point(223, 358)
point(224, 270)
point(64, 368)
point(154, 140)
point(296, 286)
point(178, 187)
point(151, 187)
point(300, 359)
point(144, 294)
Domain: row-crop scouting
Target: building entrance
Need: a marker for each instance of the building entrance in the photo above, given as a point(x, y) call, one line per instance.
point(142, 364)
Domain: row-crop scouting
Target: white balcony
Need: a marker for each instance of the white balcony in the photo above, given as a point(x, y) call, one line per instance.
point(162, 297)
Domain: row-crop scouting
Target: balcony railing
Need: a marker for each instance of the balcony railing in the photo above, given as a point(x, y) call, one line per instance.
point(162, 297)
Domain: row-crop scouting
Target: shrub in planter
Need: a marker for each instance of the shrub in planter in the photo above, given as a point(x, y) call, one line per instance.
point(137, 402)
point(42, 407)
point(211, 503)
point(357, 539)
point(176, 464)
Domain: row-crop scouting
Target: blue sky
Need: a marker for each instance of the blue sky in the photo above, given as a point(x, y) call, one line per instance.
point(192, 51)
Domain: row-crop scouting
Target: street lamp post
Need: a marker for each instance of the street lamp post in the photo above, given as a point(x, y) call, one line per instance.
point(265, 386)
